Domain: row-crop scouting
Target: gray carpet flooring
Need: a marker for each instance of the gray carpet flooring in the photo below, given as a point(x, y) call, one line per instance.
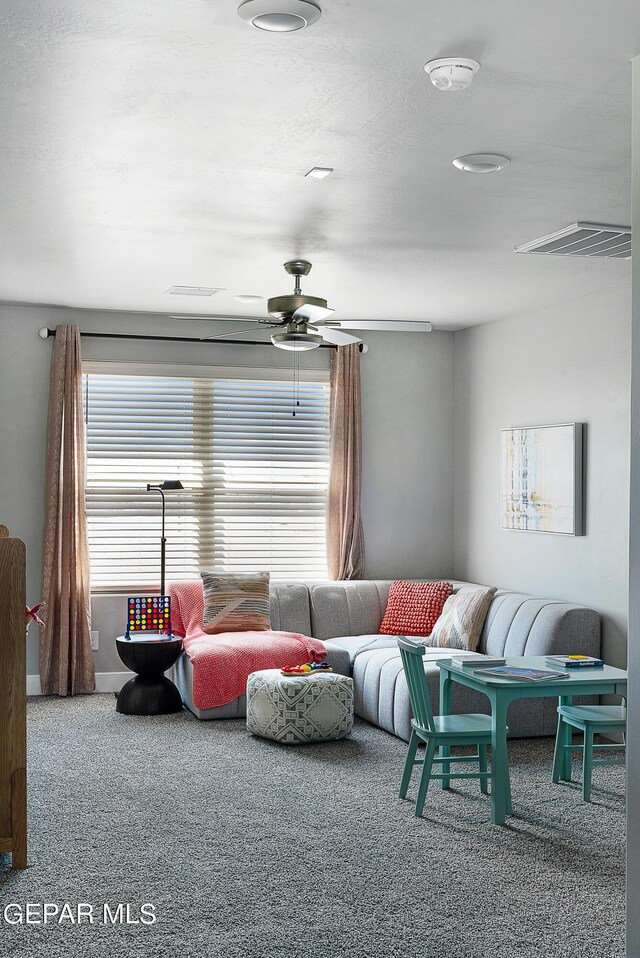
point(249, 849)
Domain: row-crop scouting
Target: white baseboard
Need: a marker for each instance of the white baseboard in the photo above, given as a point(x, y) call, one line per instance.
point(111, 681)
point(105, 682)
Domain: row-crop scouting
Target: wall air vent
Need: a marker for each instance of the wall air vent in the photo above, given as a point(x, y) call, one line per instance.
point(583, 239)
point(193, 290)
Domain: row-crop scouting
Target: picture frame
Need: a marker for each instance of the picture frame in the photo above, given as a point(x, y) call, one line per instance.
point(542, 479)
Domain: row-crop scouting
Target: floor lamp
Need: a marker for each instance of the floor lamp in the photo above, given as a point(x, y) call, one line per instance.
point(169, 485)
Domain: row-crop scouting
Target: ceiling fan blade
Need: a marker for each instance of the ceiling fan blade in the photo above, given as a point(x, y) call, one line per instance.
point(208, 317)
point(336, 336)
point(312, 314)
point(382, 325)
point(235, 332)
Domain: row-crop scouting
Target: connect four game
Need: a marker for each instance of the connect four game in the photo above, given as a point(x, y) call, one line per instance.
point(149, 613)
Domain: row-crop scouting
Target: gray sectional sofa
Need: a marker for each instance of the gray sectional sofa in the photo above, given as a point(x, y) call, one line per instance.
point(346, 616)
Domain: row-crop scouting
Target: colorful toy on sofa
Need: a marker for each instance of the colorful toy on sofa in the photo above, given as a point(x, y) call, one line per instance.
point(309, 668)
point(149, 614)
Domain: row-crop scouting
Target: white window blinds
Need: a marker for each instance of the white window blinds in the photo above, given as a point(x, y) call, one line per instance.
point(255, 477)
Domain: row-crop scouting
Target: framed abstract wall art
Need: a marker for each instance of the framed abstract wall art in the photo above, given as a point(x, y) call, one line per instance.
point(541, 488)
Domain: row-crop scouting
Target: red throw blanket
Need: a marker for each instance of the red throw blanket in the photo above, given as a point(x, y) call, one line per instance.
point(222, 663)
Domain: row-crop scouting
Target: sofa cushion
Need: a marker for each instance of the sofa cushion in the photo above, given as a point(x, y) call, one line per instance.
point(381, 693)
point(526, 625)
point(290, 612)
point(347, 608)
point(382, 696)
point(414, 607)
point(462, 619)
point(353, 607)
point(342, 651)
point(289, 606)
point(513, 622)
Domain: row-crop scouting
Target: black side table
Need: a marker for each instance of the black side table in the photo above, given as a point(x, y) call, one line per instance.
point(149, 692)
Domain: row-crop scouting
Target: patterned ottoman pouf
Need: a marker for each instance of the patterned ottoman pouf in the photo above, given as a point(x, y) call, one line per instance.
point(297, 709)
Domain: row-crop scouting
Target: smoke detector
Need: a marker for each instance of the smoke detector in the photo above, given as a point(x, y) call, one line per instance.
point(481, 162)
point(279, 16)
point(451, 74)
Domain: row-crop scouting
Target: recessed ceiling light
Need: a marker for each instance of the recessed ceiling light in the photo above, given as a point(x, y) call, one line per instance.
point(193, 290)
point(481, 163)
point(279, 16)
point(248, 298)
point(319, 172)
point(451, 74)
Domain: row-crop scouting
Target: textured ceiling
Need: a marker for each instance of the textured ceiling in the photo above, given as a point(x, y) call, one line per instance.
point(146, 144)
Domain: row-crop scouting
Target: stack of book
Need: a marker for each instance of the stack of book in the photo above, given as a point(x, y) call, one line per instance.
point(473, 662)
point(574, 661)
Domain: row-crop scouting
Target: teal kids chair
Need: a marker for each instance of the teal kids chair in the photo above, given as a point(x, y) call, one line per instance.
point(439, 730)
point(590, 720)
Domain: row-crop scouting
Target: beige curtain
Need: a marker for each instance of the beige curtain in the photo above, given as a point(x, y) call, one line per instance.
point(345, 539)
point(66, 659)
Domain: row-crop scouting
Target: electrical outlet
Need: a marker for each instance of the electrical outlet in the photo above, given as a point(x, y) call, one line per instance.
point(95, 641)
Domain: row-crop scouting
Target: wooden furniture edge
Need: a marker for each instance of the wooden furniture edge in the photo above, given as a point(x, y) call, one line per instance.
point(13, 743)
point(19, 818)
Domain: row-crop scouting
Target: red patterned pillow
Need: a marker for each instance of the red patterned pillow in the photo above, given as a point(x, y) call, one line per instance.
point(413, 608)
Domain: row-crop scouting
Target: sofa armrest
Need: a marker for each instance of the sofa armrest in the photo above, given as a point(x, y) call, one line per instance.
point(563, 629)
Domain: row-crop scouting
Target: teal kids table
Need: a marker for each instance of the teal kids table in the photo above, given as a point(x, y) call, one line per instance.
point(501, 692)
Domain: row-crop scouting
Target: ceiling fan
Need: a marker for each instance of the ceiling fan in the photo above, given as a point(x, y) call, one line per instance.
point(304, 322)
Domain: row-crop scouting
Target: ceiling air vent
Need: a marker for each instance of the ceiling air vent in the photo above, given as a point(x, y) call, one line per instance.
point(584, 239)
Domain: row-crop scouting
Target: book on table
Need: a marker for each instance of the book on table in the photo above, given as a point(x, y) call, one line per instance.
point(523, 674)
point(477, 662)
point(574, 661)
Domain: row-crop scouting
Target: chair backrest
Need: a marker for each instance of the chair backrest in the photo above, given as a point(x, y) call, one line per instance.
point(412, 655)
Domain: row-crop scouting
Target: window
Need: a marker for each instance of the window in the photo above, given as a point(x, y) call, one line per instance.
point(255, 475)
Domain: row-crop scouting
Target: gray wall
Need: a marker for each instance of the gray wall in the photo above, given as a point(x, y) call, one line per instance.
point(407, 507)
point(567, 363)
point(633, 731)
point(407, 388)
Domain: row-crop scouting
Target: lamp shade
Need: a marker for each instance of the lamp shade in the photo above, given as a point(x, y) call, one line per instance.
point(169, 485)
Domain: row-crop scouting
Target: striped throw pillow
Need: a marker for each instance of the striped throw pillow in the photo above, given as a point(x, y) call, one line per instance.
point(461, 622)
point(236, 603)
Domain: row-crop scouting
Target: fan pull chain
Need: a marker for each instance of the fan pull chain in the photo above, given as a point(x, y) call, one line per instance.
point(296, 368)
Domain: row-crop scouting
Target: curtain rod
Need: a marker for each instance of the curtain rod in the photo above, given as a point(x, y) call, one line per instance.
point(45, 332)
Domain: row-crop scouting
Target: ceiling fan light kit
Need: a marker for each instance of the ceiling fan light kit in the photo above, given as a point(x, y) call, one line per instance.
point(451, 74)
point(279, 16)
point(295, 341)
